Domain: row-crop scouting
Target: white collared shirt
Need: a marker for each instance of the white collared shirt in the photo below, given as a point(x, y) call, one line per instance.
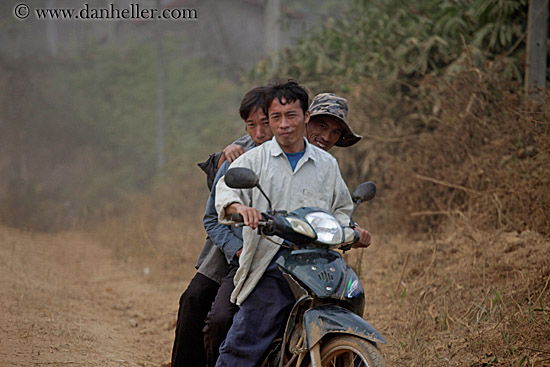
point(316, 181)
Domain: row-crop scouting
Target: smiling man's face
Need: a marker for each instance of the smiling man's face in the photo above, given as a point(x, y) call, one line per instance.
point(323, 131)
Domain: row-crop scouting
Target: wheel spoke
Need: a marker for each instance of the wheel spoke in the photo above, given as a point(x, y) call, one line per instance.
point(348, 359)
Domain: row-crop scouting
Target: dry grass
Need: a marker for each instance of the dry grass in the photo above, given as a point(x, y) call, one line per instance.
point(471, 147)
point(162, 231)
point(463, 179)
point(465, 299)
point(488, 159)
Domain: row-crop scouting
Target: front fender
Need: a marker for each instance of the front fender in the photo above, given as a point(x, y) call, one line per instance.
point(329, 319)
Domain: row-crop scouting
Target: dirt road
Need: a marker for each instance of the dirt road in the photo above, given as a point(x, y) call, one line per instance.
point(66, 302)
point(476, 300)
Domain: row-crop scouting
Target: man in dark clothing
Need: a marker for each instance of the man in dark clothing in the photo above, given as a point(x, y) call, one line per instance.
point(220, 250)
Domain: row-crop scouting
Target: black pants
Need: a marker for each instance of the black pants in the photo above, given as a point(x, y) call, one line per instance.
point(195, 303)
point(220, 318)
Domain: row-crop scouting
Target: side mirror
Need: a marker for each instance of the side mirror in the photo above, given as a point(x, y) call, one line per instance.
point(241, 178)
point(244, 178)
point(364, 192)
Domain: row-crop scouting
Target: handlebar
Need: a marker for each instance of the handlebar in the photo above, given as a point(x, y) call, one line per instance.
point(270, 226)
point(236, 217)
point(239, 221)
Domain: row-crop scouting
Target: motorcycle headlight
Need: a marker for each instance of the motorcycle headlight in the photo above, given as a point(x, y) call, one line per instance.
point(328, 230)
point(299, 226)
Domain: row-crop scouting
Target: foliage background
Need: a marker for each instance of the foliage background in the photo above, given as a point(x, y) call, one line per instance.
point(436, 88)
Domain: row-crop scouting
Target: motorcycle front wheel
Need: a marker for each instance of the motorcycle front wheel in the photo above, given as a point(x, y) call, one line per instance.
point(350, 351)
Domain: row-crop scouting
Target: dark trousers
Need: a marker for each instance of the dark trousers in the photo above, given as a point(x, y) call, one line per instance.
point(220, 318)
point(195, 302)
point(258, 320)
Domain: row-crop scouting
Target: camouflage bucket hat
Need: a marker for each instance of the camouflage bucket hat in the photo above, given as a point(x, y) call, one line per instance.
point(333, 105)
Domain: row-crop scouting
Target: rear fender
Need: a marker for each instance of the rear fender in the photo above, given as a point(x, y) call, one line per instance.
point(332, 319)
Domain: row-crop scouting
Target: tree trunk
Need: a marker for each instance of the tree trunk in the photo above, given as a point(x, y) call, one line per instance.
point(537, 40)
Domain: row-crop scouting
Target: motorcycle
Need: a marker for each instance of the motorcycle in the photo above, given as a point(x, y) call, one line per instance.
point(325, 325)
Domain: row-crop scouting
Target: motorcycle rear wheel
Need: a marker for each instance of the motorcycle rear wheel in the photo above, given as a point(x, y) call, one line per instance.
point(350, 351)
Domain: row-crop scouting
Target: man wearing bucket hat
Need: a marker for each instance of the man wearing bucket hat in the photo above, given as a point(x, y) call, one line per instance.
point(328, 124)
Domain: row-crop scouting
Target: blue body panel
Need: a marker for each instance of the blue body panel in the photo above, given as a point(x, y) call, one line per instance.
point(326, 274)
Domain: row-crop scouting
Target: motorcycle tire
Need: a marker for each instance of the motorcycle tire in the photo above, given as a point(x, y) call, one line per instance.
point(350, 351)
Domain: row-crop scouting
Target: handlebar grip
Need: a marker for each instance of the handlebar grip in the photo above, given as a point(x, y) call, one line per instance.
point(351, 238)
point(236, 217)
point(356, 236)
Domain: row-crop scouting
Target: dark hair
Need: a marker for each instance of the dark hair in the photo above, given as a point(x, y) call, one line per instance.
point(290, 91)
point(253, 99)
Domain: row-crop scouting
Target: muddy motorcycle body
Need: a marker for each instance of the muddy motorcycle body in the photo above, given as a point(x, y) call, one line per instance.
point(325, 326)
